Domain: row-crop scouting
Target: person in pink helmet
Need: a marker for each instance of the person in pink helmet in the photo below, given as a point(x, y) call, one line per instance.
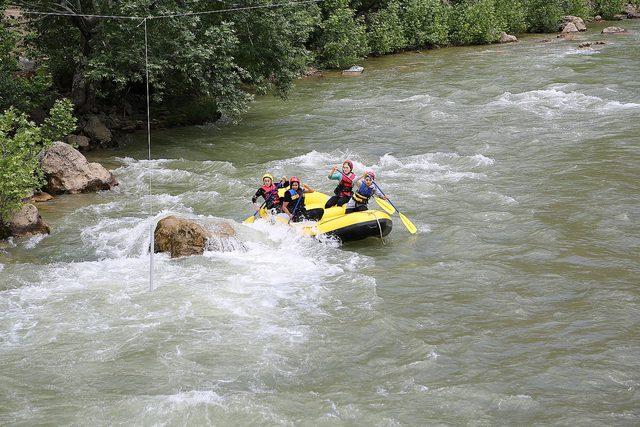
point(365, 191)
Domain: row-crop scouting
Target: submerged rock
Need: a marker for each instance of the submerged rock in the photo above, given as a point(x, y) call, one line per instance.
point(575, 20)
point(40, 197)
point(613, 30)
point(67, 171)
point(507, 38)
point(27, 222)
point(184, 237)
point(356, 70)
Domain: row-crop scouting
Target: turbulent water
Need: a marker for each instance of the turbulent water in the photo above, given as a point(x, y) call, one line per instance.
point(517, 301)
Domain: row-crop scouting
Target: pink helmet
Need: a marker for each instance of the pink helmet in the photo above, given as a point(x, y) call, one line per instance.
point(294, 179)
point(350, 163)
point(371, 174)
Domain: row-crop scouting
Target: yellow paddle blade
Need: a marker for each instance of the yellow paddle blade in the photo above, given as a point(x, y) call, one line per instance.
point(249, 220)
point(407, 223)
point(386, 206)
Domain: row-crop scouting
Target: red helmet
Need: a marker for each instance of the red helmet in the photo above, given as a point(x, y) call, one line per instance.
point(294, 179)
point(371, 174)
point(350, 163)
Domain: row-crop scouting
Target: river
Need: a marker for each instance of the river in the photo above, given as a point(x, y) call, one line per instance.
point(517, 301)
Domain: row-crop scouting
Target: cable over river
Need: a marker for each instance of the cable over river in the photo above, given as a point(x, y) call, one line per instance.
point(516, 302)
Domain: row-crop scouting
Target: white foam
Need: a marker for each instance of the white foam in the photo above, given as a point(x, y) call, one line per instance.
point(551, 101)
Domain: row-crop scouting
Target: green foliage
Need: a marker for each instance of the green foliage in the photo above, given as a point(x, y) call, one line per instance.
point(425, 23)
point(226, 56)
point(543, 16)
point(579, 8)
point(385, 30)
point(20, 143)
point(26, 91)
point(343, 39)
point(473, 22)
point(510, 16)
point(60, 123)
point(608, 8)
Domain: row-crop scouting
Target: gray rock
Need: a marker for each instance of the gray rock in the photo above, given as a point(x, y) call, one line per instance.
point(27, 222)
point(80, 142)
point(575, 20)
point(507, 38)
point(67, 171)
point(184, 237)
point(613, 30)
point(356, 70)
point(569, 27)
point(97, 131)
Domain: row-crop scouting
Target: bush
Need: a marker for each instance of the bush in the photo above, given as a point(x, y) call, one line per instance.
point(608, 8)
point(343, 39)
point(473, 22)
point(385, 30)
point(20, 143)
point(510, 16)
point(25, 91)
point(543, 16)
point(576, 8)
point(425, 23)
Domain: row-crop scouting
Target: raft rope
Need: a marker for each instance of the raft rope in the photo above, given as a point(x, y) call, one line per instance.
point(379, 227)
point(146, 66)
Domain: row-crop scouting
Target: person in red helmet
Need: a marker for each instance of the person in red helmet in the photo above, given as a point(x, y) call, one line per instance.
point(269, 191)
point(364, 192)
point(293, 200)
point(344, 190)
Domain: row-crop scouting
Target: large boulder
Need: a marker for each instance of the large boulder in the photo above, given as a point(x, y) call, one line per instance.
point(27, 222)
point(67, 171)
point(97, 131)
point(184, 237)
point(575, 20)
point(570, 27)
point(613, 30)
point(507, 38)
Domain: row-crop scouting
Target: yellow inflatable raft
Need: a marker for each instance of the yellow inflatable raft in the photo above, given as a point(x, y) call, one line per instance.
point(334, 222)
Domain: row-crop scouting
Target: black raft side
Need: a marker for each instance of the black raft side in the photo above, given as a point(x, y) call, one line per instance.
point(362, 230)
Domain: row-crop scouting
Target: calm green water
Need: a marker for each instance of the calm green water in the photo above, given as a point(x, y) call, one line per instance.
point(516, 303)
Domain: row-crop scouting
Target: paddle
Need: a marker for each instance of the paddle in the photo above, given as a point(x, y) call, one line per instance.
point(252, 218)
point(407, 223)
point(295, 208)
point(386, 206)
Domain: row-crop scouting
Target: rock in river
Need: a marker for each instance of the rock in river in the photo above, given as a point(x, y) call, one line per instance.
point(507, 38)
point(575, 20)
point(184, 237)
point(613, 30)
point(67, 171)
point(27, 222)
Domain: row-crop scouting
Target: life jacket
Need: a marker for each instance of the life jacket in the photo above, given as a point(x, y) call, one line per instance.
point(345, 186)
point(362, 194)
point(295, 195)
point(270, 194)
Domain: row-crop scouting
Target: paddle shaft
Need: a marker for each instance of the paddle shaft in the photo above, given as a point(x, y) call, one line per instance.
point(386, 198)
point(295, 208)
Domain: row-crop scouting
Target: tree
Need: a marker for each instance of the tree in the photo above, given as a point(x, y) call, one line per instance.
point(24, 90)
point(425, 23)
point(473, 22)
point(385, 30)
point(343, 39)
point(20, 143)
point(223, 56)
